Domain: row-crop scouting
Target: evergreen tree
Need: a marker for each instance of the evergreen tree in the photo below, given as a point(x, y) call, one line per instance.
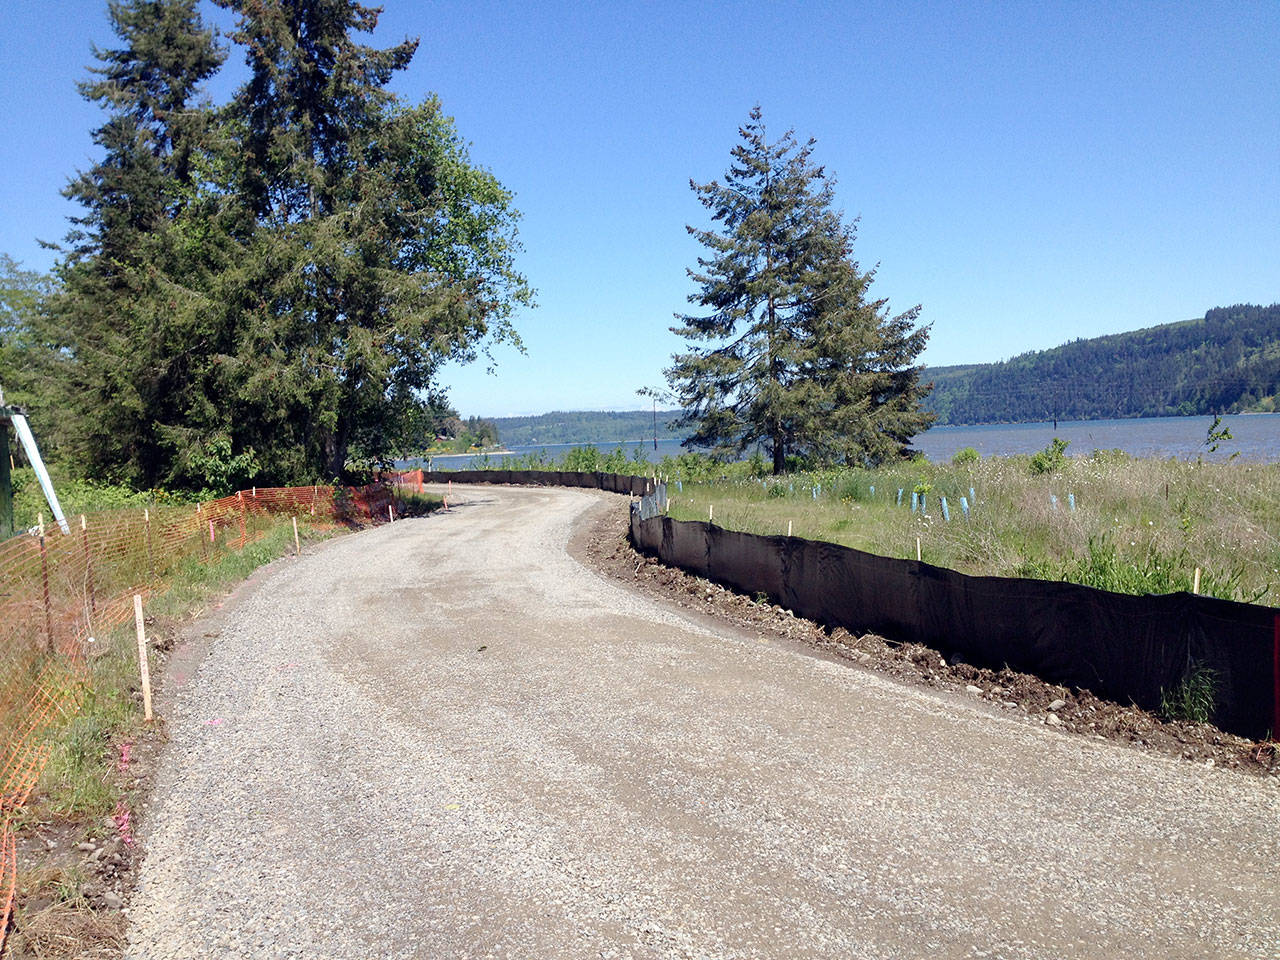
point(24, 357)
point(865, 396)
point(376, 250)
point(130, 305)
point(794, 357)
point(260, 290)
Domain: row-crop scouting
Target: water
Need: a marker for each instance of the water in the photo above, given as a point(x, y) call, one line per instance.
point(1255, 437)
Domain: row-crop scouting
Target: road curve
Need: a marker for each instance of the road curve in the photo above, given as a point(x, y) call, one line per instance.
point(446, 738)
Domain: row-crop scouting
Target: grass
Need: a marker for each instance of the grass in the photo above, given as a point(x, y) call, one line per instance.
point(1138, 526)
point(78, 781)
point(1193, 698)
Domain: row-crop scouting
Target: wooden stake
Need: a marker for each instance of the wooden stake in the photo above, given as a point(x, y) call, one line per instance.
point(88, 567)
point(391, 517)
point(151, 557)
point(1195, 585)
point(788, 528)
point(143, 667)
point(711, 512)
point(44, 574)
point(917, 549)
point(297, 546)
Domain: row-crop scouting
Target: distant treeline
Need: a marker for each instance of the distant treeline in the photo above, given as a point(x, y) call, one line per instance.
point(1227, 362)
point(586, 426)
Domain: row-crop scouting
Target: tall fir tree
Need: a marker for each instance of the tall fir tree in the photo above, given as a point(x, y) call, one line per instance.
point(865, 396)
point(263, 290)
point(790, 354)
point(376, 250)
point(127, 306)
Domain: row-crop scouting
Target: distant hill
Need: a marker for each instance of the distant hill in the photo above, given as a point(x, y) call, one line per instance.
point(585, 426)
point(1226, 362)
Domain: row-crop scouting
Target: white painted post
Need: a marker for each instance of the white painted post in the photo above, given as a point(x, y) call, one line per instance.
point(1195, 586)
point(297, 545)
point(143, 668)
point(918, 549)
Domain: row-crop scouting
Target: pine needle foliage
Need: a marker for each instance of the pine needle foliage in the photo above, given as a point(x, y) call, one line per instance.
point(791, 354)
point(265, 291)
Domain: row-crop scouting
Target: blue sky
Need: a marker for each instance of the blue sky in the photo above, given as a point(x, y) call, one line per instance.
point(1029, 172)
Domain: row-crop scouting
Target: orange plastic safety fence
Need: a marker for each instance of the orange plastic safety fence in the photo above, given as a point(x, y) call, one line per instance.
point(60, 593)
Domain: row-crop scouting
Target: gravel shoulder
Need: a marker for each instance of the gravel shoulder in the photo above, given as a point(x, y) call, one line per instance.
point(447, 738)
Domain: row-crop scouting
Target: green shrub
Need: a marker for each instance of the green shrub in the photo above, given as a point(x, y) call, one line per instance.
point(1051, 457)
point(965, 455)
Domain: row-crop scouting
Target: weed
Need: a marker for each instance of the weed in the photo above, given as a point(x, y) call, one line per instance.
point(1193, 698)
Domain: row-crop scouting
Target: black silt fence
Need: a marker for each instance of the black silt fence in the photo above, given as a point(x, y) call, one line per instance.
point(1125, 648)
point(612, 482)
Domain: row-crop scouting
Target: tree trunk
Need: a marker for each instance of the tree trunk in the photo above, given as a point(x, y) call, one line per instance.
point(335, 451)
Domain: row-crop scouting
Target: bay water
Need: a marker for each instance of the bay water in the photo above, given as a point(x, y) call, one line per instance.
point(1254, 437)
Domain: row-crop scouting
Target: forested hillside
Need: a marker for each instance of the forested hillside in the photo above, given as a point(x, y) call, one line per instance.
point(1226, 362)
point(585, 426)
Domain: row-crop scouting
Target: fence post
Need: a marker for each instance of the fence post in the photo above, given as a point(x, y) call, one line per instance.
point(244, 535)
point(88, 566)
point(44, 573)
point(297, 546)
point(151, 556)
point(144, 668)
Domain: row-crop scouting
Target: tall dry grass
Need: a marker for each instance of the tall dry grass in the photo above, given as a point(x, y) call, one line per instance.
point(1138, 525)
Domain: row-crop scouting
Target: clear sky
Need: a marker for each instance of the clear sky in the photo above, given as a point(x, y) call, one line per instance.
point(1030, 172)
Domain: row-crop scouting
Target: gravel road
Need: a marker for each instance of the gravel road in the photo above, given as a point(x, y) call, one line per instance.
point(446, 738)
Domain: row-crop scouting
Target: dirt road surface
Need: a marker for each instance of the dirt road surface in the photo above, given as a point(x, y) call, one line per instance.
point(447, 738)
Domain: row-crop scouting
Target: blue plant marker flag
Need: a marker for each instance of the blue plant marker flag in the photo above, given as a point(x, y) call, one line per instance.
point(923, 508)
point(1071, 502)
point(899, 496)
point(964, 505)
point(915, 501)
point(946, 514)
